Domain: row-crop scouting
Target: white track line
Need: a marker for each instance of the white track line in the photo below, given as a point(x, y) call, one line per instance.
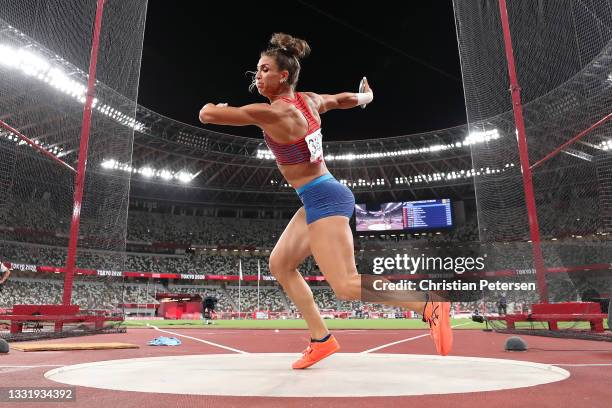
point(394, 343)
point(31, 366)
point(584, 365)
point(405, 340)
point(210, 343)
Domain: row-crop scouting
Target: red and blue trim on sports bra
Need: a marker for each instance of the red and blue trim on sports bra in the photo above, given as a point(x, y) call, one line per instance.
point(297, 151)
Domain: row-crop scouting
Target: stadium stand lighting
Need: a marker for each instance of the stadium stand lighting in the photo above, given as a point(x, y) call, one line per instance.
point(472, 138)
point(149, 172)
point(481, 137)
point(420, 178)
point(165, 174)
point(184, 177)
point(109, 164)
point(265, 154)
point(38, 67)
point(57, 151)
point(606, 145)
point(452, 175)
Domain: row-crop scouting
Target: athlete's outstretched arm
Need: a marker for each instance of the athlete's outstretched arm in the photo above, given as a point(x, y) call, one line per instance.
point(255, 114)
point(344, 100)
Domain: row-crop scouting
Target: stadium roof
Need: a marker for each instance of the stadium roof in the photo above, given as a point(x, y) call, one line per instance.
point(176, 161)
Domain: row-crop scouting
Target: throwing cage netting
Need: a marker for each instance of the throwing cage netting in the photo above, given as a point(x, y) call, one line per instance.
point(543, 109)
point(69, 74)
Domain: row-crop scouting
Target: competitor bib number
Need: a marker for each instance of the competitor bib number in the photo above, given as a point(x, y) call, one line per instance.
point(314, 141)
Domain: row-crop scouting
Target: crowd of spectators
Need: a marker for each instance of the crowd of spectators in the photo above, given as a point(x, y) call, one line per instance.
point(203, 230)
point(35, 234)
point(86, 294)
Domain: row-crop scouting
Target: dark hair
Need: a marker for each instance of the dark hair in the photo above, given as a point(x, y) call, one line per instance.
point(287, 51)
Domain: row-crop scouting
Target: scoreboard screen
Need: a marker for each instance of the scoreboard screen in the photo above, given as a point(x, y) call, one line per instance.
point(405, 216)
point(427, 214)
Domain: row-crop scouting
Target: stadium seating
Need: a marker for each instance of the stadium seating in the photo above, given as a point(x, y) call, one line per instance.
point(217, 244)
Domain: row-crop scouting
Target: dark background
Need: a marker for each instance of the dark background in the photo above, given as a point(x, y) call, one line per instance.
point(199, 52)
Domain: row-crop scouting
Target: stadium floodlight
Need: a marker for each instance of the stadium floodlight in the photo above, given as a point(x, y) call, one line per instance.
point(34, 65)
point(31, 64)
point(481, 137)
point(471, 139)
point(147, 172)
point(109, 164)
point(183, 177)
point(452, 175)
point(165, 174)
point(265, 154)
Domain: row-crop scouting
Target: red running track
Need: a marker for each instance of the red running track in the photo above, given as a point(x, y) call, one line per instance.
point(588, 386)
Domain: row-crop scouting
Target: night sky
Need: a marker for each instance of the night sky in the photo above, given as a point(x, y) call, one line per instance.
point(198, 52)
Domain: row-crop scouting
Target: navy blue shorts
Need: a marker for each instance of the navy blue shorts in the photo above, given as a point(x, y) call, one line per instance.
point(325, 196)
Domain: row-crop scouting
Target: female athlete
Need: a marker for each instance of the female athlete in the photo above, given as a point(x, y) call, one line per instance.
point(291, 124)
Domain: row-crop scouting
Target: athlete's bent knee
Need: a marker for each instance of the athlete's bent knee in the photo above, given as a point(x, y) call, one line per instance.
point(279, 267)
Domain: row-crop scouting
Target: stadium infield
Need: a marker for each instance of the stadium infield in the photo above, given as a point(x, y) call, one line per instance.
point(333, 324)
point(157, 376)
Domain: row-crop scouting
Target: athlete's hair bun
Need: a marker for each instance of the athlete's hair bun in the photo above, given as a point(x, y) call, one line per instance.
point(293, 46)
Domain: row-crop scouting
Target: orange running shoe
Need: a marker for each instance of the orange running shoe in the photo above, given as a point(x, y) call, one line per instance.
point(316, 352)
point(437, 314)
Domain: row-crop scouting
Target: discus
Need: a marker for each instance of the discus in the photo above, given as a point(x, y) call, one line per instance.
point(362, 89)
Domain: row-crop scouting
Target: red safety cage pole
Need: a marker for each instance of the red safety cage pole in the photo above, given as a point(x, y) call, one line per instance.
point(515, 90)
point(80, 178)
point(36, 147)
point(572, 140)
